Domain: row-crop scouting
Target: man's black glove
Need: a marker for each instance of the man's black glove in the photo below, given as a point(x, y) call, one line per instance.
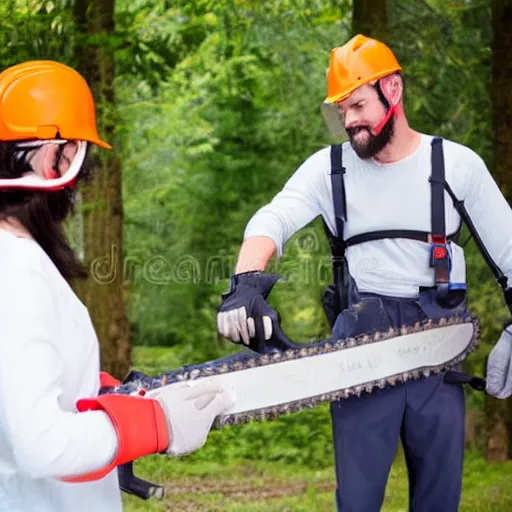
point(244, 315)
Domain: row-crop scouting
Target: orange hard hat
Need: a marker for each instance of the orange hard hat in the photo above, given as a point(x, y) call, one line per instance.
point(46, 100)
point(357, 62)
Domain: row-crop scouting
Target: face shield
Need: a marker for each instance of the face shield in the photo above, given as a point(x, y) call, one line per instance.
point(33, 181)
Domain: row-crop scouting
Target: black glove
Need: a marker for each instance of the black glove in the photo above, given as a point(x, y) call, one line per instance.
point(244, 315)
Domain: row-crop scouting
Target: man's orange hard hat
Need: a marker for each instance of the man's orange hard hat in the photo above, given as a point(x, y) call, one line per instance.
point(360, 61)
point(46, 100)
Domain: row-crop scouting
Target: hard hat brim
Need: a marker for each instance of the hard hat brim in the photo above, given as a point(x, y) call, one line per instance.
point(345, 94)
point(102, 144)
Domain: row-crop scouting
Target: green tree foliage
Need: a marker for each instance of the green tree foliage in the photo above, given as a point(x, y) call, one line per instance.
point(226, 129)
point(35, 29)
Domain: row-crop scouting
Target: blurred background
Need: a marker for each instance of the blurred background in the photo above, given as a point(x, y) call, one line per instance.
point(210, 106)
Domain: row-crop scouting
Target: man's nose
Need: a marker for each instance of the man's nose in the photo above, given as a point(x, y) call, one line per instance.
point(350, 119)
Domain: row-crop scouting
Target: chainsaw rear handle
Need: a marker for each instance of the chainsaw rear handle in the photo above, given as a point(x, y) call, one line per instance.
point(131, 484)
point(455, 377)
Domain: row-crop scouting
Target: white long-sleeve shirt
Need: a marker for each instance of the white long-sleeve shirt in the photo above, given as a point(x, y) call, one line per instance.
point(49, 358)
point(392, 196)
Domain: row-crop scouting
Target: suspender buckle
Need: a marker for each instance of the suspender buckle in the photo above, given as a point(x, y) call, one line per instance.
point(440, 257)
point(438, 250)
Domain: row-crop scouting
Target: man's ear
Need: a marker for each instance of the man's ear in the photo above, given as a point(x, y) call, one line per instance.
point(47, 161)
point(393, 88)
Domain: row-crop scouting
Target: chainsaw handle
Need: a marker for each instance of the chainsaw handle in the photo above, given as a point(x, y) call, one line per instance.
point(279, 339)
point(130, 484)
point(455, 377)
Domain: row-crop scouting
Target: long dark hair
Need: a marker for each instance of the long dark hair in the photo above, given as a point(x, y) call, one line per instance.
point(41, 213)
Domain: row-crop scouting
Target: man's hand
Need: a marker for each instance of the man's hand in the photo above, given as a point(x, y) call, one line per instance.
point(499, 366)
point(190, 410)
point(244, 315)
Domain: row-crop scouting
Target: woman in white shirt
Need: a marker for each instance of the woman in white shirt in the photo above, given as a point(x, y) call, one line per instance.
point(60, 443)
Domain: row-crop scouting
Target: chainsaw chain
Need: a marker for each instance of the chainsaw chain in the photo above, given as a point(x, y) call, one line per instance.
point(140, 383)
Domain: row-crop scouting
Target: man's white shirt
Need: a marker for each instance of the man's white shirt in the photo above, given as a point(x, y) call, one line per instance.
point(392, 196)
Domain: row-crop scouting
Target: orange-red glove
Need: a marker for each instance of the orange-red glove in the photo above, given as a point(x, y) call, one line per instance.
point(140, 425)
point(144, 426)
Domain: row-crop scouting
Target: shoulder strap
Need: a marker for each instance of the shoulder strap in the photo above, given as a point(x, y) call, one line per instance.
point(439, 257)
point(437, 202)
point(336, 242)
point(338, 189)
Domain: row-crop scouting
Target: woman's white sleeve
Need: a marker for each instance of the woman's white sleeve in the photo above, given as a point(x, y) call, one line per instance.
point(45, 440)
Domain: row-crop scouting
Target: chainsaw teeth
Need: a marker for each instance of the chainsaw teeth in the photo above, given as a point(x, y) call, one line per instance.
point(391, 333)
point(249, 359)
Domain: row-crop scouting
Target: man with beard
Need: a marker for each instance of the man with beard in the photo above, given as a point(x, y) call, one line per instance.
point(60, 442)
point(399, 273)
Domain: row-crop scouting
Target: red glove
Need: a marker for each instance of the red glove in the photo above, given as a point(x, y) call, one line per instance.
point(144, 425)
point(140, 425)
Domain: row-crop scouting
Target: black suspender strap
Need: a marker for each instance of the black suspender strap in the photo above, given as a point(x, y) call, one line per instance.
point(338, 246)
point(338, 189)
point(439, 256)
point(336, 242)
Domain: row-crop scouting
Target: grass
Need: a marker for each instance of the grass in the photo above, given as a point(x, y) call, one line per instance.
point(255, 486)
point(205, 483)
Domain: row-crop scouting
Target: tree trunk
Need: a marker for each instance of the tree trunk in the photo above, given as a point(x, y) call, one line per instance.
point(498, 412)
point(101, 199)
point(500, 94)
point(470, 428)
point(496, 430)
point(370, 18)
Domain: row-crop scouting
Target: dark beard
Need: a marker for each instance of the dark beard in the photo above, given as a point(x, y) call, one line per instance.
point(376, 143)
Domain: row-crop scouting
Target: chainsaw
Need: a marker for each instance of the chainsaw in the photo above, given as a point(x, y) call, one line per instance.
point(288, 377)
